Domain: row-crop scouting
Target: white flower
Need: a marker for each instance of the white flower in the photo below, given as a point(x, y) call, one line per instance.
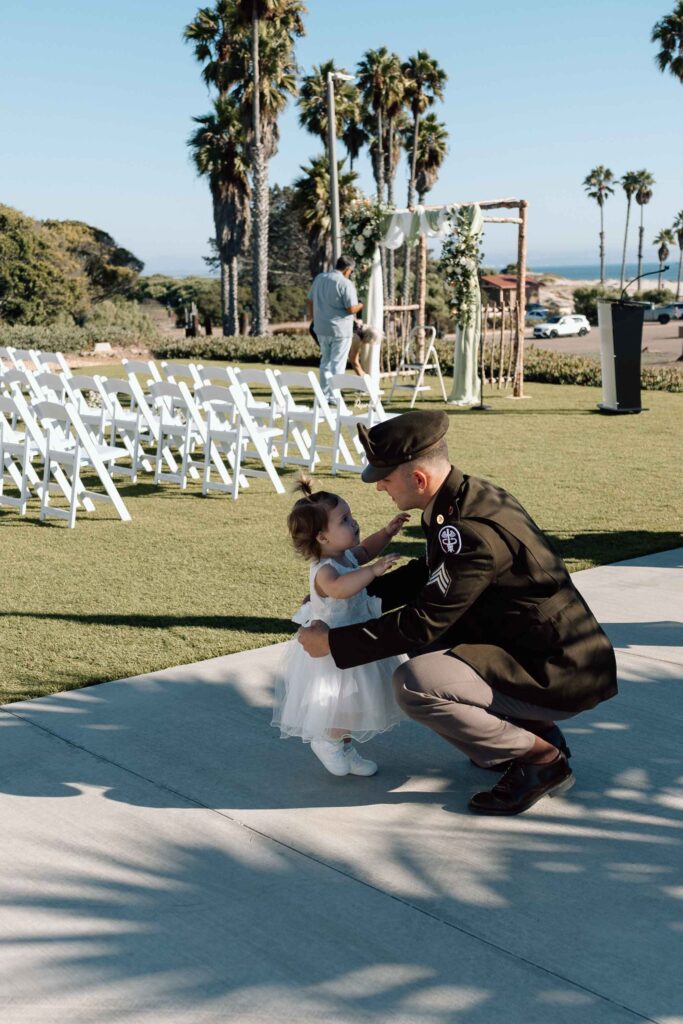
point(367, 231)
point(359, 246)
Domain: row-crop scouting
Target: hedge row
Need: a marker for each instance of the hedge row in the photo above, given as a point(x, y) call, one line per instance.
point(540, 365)
point(70, 338)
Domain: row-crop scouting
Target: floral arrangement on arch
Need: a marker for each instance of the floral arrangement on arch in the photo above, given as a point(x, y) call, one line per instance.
point(461, 258)
point(362, 234)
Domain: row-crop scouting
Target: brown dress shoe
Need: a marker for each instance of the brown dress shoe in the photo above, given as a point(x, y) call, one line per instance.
point(522, 785)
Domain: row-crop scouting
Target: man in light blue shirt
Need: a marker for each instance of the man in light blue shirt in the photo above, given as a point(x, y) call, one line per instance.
point(332, 303)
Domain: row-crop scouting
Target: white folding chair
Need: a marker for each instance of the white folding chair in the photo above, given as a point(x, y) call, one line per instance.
point(271, 407)
point(45, 360)
point(51, 384)
point(70, 448)
point(257, 442)
point(303, 422)
point(409, 365)
point(176, 429)
point(16, 453)
point(127, 424)
point(366, 407)
point(144, 371)
point(189, 373)
point(223, 439)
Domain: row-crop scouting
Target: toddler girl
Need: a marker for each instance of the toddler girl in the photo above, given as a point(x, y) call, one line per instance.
point(326, 706)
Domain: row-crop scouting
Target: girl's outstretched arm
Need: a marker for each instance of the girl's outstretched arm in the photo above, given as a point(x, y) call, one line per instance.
point(371, 546)
point(330, 583)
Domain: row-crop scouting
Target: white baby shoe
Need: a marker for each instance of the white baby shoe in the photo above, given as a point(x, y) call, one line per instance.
point(331, 753)
point(358, 765)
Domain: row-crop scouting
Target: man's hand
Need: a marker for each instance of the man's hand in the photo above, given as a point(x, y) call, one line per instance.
point(380, 566)
point(314, 639)
point(397, 524)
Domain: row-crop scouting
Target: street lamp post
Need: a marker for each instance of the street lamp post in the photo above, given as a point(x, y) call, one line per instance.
point(332, 159)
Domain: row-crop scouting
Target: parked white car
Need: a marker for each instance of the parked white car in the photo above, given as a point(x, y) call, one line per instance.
point(563, 327)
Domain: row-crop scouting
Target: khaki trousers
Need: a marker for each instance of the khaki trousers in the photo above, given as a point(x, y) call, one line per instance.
point(447, 695)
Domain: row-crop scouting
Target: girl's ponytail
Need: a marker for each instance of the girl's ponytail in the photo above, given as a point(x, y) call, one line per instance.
point(309, 517)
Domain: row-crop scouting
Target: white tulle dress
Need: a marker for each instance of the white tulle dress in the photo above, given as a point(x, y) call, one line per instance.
point(313, 696)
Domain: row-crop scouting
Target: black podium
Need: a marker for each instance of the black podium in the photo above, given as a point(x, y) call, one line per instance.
point(621, 342)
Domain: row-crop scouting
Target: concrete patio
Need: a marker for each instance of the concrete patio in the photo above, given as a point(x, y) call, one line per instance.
point(166, 858)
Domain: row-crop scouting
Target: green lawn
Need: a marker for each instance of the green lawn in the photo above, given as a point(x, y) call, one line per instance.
point(192, 578)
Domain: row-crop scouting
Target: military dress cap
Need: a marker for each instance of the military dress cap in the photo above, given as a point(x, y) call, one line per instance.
point(399, 440)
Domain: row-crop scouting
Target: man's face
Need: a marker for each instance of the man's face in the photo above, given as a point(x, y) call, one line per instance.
point(402, 488)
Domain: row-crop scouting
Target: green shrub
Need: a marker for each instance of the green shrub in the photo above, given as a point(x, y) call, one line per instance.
point(65, 337)
point(289, 349)
point(586, 301)
point(660, 296)
point(540, 365)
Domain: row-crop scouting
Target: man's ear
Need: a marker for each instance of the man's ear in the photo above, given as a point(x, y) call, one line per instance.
point(420, 478)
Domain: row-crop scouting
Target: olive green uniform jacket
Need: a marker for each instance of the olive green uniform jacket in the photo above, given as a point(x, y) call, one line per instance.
point(492, 589)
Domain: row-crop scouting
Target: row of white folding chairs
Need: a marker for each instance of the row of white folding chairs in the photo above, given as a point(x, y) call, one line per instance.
point(295, 398)
point(173, 420)
point(38, 429)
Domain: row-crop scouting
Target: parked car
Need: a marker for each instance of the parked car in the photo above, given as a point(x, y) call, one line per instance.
point(662, 314)
point(538, 314)
point(563, 326)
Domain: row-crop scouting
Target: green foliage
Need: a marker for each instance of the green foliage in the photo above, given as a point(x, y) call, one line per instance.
point(56, 270)
point(110, 269)
point(660, 296)
point(39, 280)
point(179, 292)
point(286, 349)
point(300, 350)
point(586, 301)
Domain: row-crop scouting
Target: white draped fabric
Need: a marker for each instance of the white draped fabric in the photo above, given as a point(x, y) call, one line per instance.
point(408, 225)
point(373, 314)
point(466, 383)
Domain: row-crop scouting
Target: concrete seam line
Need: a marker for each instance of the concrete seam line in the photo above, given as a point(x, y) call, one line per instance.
point(345, 874)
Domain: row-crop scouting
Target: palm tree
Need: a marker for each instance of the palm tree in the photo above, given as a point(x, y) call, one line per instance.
point(263, 86)
point(629, 183)
point(379, 81)
point(668, 33)
point(598, 187)
point(219, 153)
point(424, 83)
point(643, 197)
point(312, 200)
point(432, 147)
point(312, 101)
point(677, 228)
point(664, 239)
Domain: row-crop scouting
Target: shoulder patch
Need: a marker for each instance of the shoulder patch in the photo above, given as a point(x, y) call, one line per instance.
point(450, 540)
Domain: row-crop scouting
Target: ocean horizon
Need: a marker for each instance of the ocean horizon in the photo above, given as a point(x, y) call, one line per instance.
point(591, 271)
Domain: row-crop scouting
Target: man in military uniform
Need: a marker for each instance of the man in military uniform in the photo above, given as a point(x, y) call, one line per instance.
point(502, 644)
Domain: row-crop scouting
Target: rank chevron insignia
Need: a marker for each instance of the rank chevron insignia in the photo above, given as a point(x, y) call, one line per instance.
point(441, 578)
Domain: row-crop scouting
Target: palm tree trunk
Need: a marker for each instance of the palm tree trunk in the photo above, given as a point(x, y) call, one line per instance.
point(233, 312)
point(225, 298)
point(641, 232)
point(411, 199)
point(391, 273)
point(678, 281)
point(259, 324)
point(623, 255)
point(602, 245)
point(380, 158)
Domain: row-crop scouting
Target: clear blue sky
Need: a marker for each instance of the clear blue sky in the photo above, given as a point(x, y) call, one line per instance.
point(97, 101)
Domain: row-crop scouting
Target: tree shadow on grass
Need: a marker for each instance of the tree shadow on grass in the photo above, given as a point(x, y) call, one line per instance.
point(240, 623)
